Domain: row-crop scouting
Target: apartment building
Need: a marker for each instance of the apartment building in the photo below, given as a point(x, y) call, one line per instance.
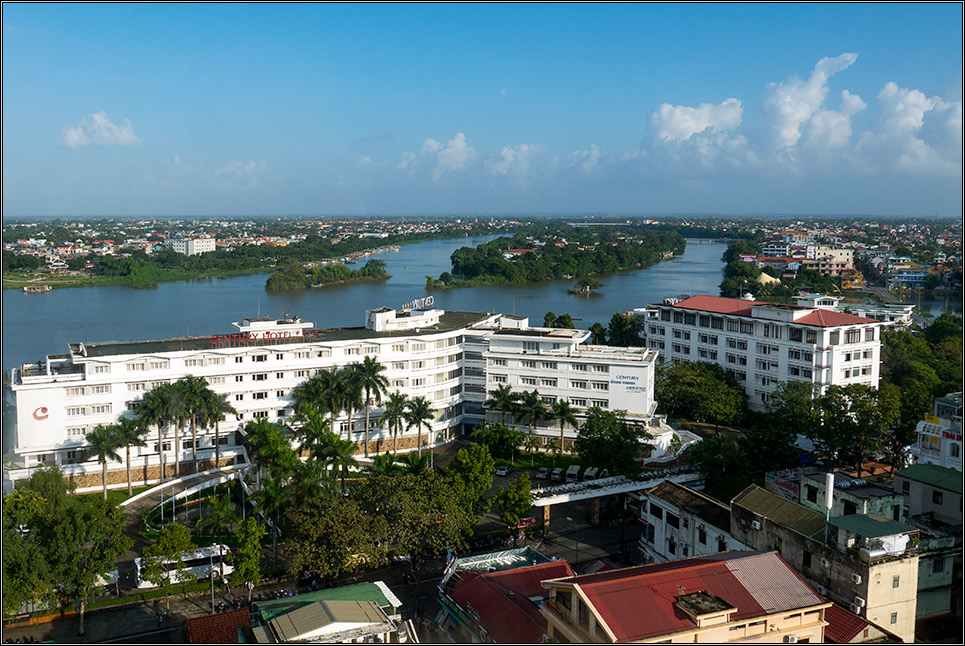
point(939, 438)
point(764, 344)
point(867, 563)
point(745, 597)
point(193, 246)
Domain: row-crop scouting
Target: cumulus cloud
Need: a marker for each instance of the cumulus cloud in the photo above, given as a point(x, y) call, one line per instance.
point(587, 160)
point(455, 154)
point(241, 176)
point(790, 104)
point(408, 159)
point(680, 122)
point(100, 131)
point(513, 161)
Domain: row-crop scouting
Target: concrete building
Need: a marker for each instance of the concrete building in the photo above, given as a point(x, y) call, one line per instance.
point(940, 434)
point(680, 522)
point(439, 355)
point(896, 315)
point(864, 562)
point(193, 246)
point(764, 344)
point(745, 597)
point(933, 490)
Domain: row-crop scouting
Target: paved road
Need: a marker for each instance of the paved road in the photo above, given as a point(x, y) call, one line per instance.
point(889, 299)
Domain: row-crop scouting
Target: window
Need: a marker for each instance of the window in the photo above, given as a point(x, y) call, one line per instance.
point(421, 381)
point(239, 398)
point(895, 580)
point(701, 536)
point(810, 336)
point(528, 381)
point(215, 361)
point(599, 368)
point(812, 493)
point(260, 357)
point(525, 363)
point(580, 367)
point(708, 338)
point(530, 346)
point(135, 367)
point(600, 403)
point(806, 560)
point(937, 565)
point(158, 365)
point(716, 323)
point(492, 362)
point(795, 334)
point(261, 395)
point(498, 379)
point(355, 351)
point(747, 327)
point(850, 508)
point(954, 450)
point(673, 520)
point(721, 544)
point(704, 321)
point(81, 431)
point(671, 546)
point(578, 384)
point(905, 487)
point(260, 414)
point(549, 365)
point(548, 382)
point(101, 369)
point(74, 392)
point(279, 393)
point(936, 497)
point(76, 411)
point(894, 617)
point(655, 511)
point(215, 380)
point(601, 385)
point(100, 409)
point(835, 338)
point(869, 334)
point(240, 359)
point(193, 363)
point(260, 377)
point(239, 378)
point(664, 315)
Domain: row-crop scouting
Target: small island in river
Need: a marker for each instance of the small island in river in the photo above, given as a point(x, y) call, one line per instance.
point(296, 276)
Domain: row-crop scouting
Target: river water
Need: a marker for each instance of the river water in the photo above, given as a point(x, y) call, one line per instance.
point(35, 325)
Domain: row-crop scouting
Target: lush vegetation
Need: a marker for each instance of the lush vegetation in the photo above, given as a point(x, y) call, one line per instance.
point(559, 251)
point(296, 276)
point(742, 277)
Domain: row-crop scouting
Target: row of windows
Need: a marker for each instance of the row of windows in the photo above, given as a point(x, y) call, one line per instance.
point(550, 365)
point(77, 391)
point(94, 409)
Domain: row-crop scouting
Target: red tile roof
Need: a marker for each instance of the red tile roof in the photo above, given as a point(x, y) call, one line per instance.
point(509, 619)
point(640, 603)
point(717, 304)
point(843, 626)
point(830, 318)
point(220, 628)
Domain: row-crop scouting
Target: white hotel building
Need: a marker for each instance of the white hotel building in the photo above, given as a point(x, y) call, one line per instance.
point(451, 358)
point(764, 344)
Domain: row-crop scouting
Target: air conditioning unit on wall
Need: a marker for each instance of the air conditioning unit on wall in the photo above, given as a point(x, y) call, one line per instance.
point(859, 601)
point(855, 608)
point(755, 524)
point(855, 578)
point(825, 563)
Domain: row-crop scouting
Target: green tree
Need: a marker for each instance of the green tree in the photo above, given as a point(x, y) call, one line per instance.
point(504, 400)
point(624, 330)
point(83, 545)
point(699, 391)
point(162, 562)
point(103, 444)
point(216, 407)
point(472, 471)
point(597, 334)
point(502, 440)
point(418, 413)
point(564, 413)
point(152, 411)
point(269, 447)
point(221, 519)
point(247, 554)
point(129, 432)
point(322, 392)
point(394, 416)
point(270, 500)
point(350, 392)
point(606, 441)
point(723, 465)
point(549, 319)
point(514, 502)
point(532, 409)
point(374, 385)
point(854, 422)
point(26, 572)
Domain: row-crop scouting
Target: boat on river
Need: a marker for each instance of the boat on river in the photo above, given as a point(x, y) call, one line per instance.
point(36, 289)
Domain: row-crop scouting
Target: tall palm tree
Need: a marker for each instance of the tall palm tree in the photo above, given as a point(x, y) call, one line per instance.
point(130, 432)
point(386, 465)
point(153, 412)
point(176, 411)
point(193, 389)
point(419, 412)
point(374, 385)
point(313, 429)
point(564, 413)
point(341, 457)
point(104, 443)
point(532, 408)
point(503, 399)
point(321, 391)
point(269, 447)
point(414, 464)
point(269, 501)
point(350, 391)
point(216, 406)
point(395, 416)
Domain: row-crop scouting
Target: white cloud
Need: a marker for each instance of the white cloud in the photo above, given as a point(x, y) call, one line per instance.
point(365, 160)
point(100, 131)
point(587, 160)
point(240, 176)
point(513, 161)
point(455, 154)
point(679, 122)
point(408, 159)
point(789, 105)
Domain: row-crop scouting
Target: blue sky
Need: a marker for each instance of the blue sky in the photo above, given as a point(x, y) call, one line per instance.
point(316, 109)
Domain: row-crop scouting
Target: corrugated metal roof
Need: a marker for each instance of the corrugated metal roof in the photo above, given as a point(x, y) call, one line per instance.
point(843, 626)
point(870, 525)
point(937, 476)
point(703, 506)
point(775, 588)
point(366, 591)
point(783, 512)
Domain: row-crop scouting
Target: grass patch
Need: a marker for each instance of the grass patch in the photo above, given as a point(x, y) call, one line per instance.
point(525, 463)
point(117, 495)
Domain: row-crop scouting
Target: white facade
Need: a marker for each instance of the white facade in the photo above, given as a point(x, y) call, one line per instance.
point(680, 522)
point(764, 344)
point(431, 353)
point(557, 364)
point(896, 315)
point(940, 434)
point(193, 246)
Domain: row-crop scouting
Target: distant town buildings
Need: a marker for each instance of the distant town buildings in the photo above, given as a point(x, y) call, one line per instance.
point(193, 246)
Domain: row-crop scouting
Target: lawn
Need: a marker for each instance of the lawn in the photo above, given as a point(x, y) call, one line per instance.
point(117, 495)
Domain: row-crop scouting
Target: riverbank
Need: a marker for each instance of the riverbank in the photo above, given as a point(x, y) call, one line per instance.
point(86, 280)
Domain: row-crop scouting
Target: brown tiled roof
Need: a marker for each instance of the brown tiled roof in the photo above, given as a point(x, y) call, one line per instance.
point(221, 628)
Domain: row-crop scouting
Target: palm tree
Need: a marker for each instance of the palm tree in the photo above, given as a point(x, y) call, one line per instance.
point(350, 391)
point(503, 399)
point(194, 390)
point(152, 411)
point(531, 443)
point(386, 465)
point(130, 432)
point(341, 457)
point(313, 429)
point(215, 407)
point(221, 519)
point(322, 392)
point(394, 416)
point(269, 500)
point(563, 412)
point(176, 411)
point(419, 412)
point(532, 408)
point(268, 446)
point(104, 443)
point(414, 464)
point(374, 385)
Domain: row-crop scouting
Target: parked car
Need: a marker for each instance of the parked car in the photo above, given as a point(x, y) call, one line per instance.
point(590, 474)
point(503, 470)
point(542, 473)
point(557, 475)
point(573, 473)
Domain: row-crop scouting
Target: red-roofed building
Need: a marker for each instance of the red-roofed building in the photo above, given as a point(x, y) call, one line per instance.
point(848, 628)
point(221, 628)
point(727, 597)
point(764, 344)
point(502, 606)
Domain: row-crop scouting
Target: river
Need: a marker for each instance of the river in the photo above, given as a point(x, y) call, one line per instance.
point(35, 325)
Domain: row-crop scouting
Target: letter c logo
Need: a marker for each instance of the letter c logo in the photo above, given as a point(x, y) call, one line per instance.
point(41, 413)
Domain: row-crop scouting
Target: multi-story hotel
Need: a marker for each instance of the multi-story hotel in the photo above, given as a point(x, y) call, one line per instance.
point(450, 358)
point(764, 344)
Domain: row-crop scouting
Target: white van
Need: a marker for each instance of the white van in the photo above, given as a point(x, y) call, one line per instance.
point(590, 473)
point(573, 473)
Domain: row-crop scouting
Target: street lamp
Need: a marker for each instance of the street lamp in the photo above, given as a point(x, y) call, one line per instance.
point(576, 538)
